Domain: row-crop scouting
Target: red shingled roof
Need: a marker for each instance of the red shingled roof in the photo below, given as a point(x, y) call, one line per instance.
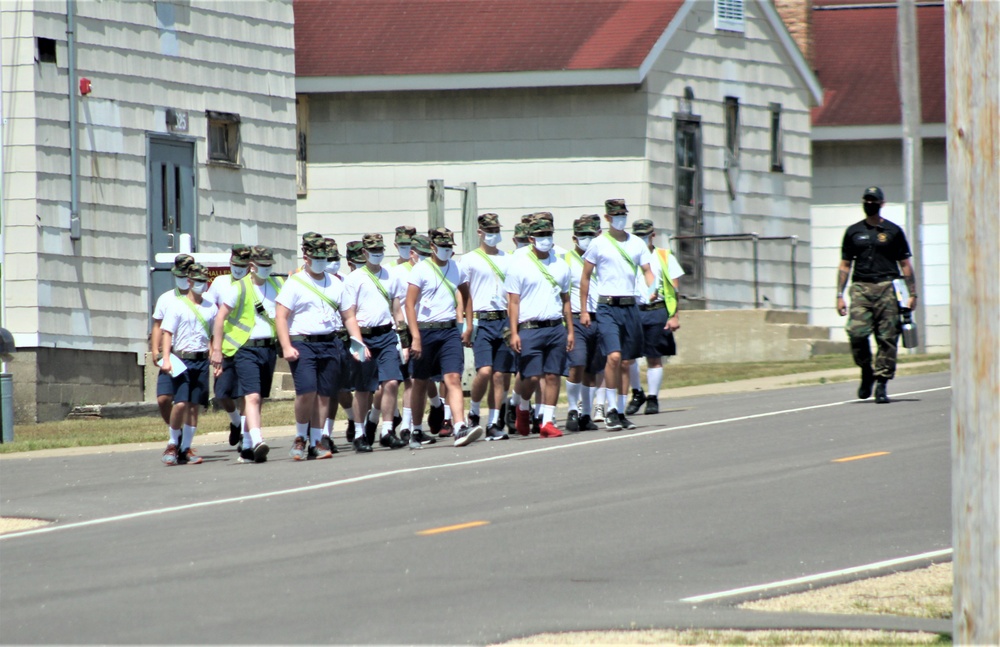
point(390, 37)
point(855, 53)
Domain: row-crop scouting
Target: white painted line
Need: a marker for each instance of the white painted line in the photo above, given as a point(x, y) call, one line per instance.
point(426, 468)
point(819, 577)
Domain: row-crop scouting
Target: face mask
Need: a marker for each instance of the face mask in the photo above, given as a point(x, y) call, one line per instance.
point(443, 253)
point(182, 284)
point(199, 286)
point(404, 252)
point(317, 265)
point(544, 244)
point(238, 272)
point(492, 240)
point(645, 239)
point(333, 267)
point(584, 242)
point(376, 259)
point(520, 244)
point(263, 271)
point(872, 208)
point(618, 222)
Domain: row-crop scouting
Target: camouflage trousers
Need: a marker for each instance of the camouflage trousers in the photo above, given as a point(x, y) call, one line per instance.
point(874, 309)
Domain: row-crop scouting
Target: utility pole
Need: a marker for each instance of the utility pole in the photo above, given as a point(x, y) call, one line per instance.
point(972, 72)
point(913, 156)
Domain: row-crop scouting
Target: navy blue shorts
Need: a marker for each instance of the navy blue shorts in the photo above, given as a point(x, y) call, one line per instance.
point(383, 366)
point(441, 353)
point(225, 384)
point(620, 330)
point(587, 348)
point(543, 350)
point(489, 348)
point(350, 369)
point(657, 342)
point(254, 371)
point(317, 368)
point(192, 384)
point(164, 385)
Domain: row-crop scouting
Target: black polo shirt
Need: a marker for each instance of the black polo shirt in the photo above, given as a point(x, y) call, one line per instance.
point(875, 250)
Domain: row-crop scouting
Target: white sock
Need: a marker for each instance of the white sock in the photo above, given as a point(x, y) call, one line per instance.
point(474, 408)
point(548, 413)
point(622, 398)
point(573, 395)
point(315, 433)
point(611, 396)
point(494, 416)
point(187, 435)
point(436, 401)
point(633, 376)
point(373, 415)
point(386, 428)
point(599, 395)
point(350, 413)
point(234, 416)
point(247, 441)
point(655, 377)
point(243, 423)
point(360, 420)
point(255, 437)
point(523, 405)
point(328, 427)
point(447, 412)
point(515, 399)
point(587, 400)
point(538, 409)
point(175, 436)
point(302, 429)
point(407, 418)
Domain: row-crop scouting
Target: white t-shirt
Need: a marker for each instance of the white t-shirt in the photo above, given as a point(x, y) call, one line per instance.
point(372, 307)
point(674, 270)
point(216, 292)
point(162, 303)
point(540, 300)
point(266, 294)
point(310, 314)
point(180, 320)
point(575, 263)
point(617, 275)
point(437, 300)
point(401, 273)
point(487, 288)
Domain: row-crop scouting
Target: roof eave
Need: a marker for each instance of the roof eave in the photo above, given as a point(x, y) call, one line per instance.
point(873, 132)
point(474, 81)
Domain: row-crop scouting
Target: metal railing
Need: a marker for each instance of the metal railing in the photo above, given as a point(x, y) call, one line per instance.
point(755, 238)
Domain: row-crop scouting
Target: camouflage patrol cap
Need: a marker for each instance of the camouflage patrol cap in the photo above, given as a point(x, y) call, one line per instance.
point(372, 241)
point(592, 216)
point(181, 264)
point(541, 227)
point(197, 272)
point(240, 256)
point(404, 235)
point(490, 220)
point(332, 252)
point(544, 215)
point(314, 245)
point(586, 226)
point(442, 237)
point(421, 244)
point(520, 231)
point(355, 252)
point(615, 207)
point(527, 218)
point(643, 227)
point(261, 255)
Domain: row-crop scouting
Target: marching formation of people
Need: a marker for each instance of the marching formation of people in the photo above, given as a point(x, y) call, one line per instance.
point(386, 340)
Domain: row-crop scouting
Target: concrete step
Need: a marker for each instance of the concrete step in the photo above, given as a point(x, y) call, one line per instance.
point(820, 347)
point(800, 331)
point(786, 317)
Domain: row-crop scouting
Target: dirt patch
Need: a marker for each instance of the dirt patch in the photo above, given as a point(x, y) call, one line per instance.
point(16, 524)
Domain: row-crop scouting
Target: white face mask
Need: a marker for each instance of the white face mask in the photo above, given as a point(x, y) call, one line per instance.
point(618, 222)
point(584, 242)
point(376, 259)
point(318, 265)
point(199, 286)
point(544, 244)
point(645, 239)
point(443, 253)
point(181, 283)
point(404, 251)
point(332, 267)
point(263, 271)
point(238, 272)
point(492, 240)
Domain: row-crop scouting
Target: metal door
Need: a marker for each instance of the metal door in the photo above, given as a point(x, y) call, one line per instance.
point(688, 206)
point(170, 191)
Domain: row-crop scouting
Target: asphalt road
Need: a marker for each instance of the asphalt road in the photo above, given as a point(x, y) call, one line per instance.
point(593, 530)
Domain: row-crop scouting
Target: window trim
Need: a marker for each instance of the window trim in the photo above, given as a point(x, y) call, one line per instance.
point(731, 150)
point(231, 121)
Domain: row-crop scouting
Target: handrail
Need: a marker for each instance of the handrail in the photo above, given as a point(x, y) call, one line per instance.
point(755, 238)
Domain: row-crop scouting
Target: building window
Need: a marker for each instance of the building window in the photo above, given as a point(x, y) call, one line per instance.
point(223, 138)
point(729, 15)
point(302, 143)
point(777, 155)
point(46, 50)
point(732, 153)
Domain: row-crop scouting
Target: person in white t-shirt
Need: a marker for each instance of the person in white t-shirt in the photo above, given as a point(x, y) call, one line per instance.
point(616, 256)
point(164, 384)
point(658, 311)
point(439, 329)
point(186, 334)
point(538, 298)
point(343, 397)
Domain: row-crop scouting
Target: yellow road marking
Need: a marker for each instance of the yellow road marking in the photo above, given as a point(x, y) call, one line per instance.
point(857, 458)
point(460, 526)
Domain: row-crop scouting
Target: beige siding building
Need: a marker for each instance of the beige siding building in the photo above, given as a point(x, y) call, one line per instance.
point(184, 140)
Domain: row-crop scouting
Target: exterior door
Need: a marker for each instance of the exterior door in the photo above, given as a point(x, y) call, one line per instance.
point(170, 187)
point(688, 206)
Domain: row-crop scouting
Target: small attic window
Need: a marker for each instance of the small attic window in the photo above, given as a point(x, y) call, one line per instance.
point(729, 15)
point(46, 50)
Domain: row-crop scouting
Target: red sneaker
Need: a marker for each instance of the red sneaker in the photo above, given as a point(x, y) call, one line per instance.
point(549, 430)
point(447, 429)
point(523, 422)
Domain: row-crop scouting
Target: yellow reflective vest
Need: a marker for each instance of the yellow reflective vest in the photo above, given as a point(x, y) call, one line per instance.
point(239, 324)
point(667, 286)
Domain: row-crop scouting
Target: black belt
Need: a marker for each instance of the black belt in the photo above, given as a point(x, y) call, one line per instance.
point(656, 305)
point(267, 342)
point(617, 301)
point(192, 356)
point(876, 281)
point(373, 331)
point(593, 315)
point(490, 315)
point(535, 323)
point(316, 338)
point(436, 325)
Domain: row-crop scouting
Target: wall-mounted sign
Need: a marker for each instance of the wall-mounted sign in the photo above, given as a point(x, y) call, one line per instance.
point(177, 120)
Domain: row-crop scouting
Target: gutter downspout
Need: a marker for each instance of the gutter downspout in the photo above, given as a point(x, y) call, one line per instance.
point(74, 152)
point(3, 222)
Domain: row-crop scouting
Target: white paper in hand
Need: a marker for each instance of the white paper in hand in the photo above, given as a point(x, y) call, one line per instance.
point(357, 350)
point(177, 365)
